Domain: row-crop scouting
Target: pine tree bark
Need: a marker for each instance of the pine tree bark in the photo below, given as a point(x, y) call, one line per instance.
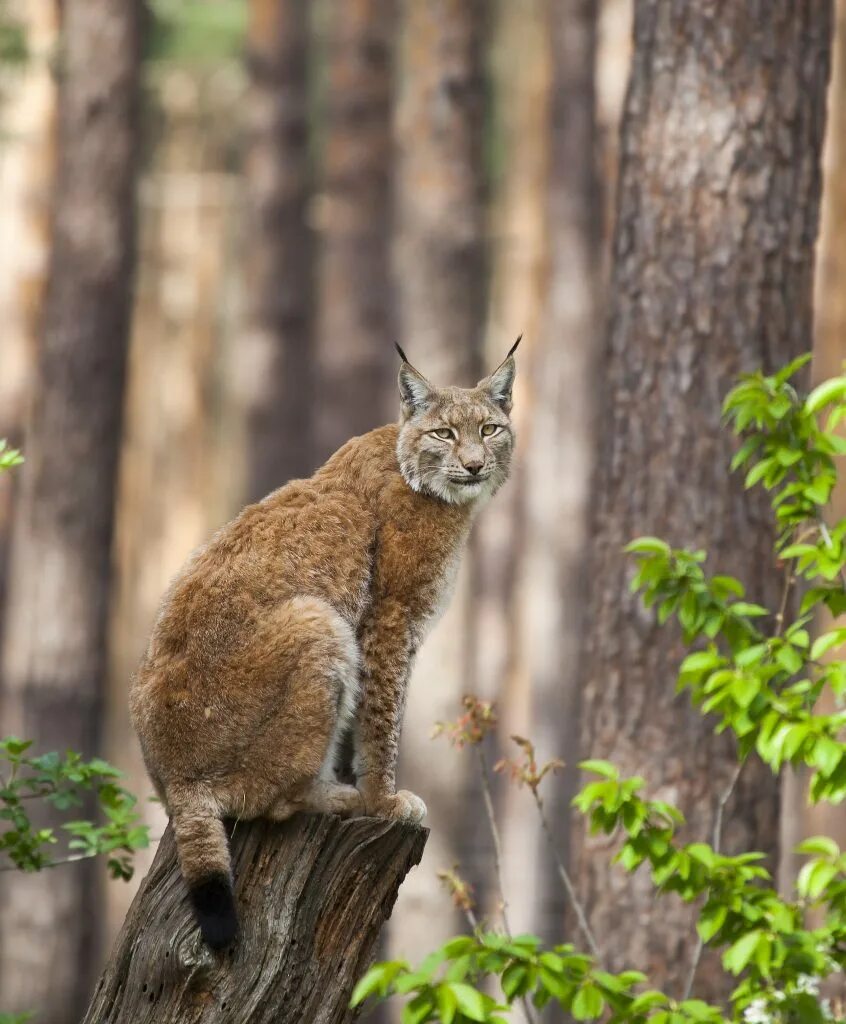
point(356, 360)
point(558, 442)
point(55, 651)
point(713, 257)
point(279, 354)
point(800, 818)
point(28, 108)
point(441, 256)
point(312, 894)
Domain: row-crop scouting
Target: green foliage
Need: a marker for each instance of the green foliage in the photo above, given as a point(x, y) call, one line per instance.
point(196, 31)
point(62, 782)
point(759, 674)
point(9, 457)
point(13, 44)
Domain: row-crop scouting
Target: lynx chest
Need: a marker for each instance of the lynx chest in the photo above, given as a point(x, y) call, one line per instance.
point(418, 552)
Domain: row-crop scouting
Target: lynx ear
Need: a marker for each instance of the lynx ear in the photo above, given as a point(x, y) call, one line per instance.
point(499, 383)
point(415, 391)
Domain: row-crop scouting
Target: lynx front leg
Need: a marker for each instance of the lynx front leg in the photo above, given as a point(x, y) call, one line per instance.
point(387, 653)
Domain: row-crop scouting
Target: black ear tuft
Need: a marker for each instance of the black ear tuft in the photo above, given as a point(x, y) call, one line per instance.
point(402, 354)
point(513, 348)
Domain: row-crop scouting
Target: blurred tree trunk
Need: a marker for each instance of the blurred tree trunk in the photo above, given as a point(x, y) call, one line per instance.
point(557, 441)
point(442, 291)
point(800, 818)
point(521, 68)
point(55, 650)
point(713, 256)
point(183, 449)
point(27, 138)
point(356, 360)
point(278, 352)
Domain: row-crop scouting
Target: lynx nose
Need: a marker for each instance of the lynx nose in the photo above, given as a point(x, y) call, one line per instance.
point(473, 467)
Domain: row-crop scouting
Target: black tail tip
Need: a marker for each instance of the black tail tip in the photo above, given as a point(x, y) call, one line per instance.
point(214, 909)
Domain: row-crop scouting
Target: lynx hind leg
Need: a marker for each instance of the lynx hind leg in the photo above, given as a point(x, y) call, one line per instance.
point(317, 670)
point(322, 797)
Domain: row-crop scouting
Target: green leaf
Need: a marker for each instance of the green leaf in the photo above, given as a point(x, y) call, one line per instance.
point(711, 921)
point(822, 845)
point(825, 393)
point(827, 641)
point(513, 979)
point(647, 546)
point(418, 1010)
point(469, 1001)
point(603, 768)
point(826, 754)
point(377, 979)
point(588, 1004)
point(447, 1004)
point(738, 955)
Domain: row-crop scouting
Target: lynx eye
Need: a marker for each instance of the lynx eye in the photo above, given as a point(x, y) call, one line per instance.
point(444, 433)
point(489, 429)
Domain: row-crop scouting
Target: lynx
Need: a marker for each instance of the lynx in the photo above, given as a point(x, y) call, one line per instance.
point(300, 620)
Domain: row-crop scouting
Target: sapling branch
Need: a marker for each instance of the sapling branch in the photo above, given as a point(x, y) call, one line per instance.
point(497, 851)
point(716, 841)
point(566, 881)
point(726, 794)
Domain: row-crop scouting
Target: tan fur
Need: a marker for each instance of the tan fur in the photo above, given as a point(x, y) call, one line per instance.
point(303, 616)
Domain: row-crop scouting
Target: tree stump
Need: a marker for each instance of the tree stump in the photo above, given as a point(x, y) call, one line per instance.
point(312, 896)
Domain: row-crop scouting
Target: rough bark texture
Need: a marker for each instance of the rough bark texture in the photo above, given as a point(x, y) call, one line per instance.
point(312, 895)
point(713, 258)
point(27, 137)
point(356, 360)
point(799, 817)
point(441, 191)
point(279, 355)
point(55, 651)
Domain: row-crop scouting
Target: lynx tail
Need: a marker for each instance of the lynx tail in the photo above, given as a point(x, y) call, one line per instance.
point(206, 867)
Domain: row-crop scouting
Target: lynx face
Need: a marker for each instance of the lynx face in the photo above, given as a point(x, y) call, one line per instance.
point(456, 443)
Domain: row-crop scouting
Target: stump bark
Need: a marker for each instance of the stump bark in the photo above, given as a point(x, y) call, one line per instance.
point(312, 895)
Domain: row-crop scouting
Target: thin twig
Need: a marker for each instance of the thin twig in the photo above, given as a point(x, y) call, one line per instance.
point(471, 918)
point(497, 845)
point(717, 831)
point(72, 859)
point(581, 917)
point(829, 543)
point(716, 839)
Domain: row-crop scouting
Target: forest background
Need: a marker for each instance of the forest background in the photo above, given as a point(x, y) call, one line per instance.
point(315, 181)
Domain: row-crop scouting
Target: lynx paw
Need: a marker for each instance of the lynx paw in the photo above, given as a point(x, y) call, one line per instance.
point(400, 806)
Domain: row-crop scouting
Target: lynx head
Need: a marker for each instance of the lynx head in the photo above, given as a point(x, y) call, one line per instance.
point(456, 443)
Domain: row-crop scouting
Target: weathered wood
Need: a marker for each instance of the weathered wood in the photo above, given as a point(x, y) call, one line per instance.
point(312, 894)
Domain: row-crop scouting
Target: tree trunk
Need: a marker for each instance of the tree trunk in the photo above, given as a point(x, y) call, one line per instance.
point(800, 818)
point(278, 348)
point(27, 138)
point(522, 71)
point(441, 249)
point(713, 257)
point(55, 651)
point(312, 894)
point(357, 362)
point(558, 440)
point(183, 451)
